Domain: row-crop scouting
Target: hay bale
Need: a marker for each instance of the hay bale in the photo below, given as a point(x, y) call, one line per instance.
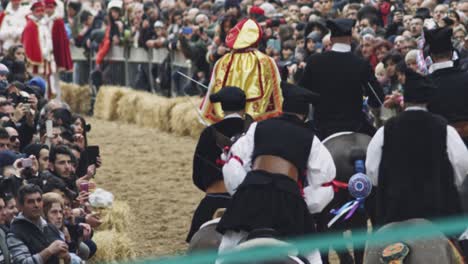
point(177, 118)
point(83, 99)
point(113, 246)
point(118, 217)
point(192, 119)
point(107, 101)
point(145, 113)
point(165, 112)
point(184, 119)
point(68, 92)
point(128, 106)
point(77, 97)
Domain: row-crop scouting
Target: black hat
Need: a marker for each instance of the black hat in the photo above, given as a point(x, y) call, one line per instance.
point(34, 149)
point(417, 88)
point(231, 3)
point(297, 99)
point(423, 13)
point(341, 27)
point(231, 98)
point(439, 39)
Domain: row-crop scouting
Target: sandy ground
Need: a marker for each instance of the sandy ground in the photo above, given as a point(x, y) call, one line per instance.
point(151, 170)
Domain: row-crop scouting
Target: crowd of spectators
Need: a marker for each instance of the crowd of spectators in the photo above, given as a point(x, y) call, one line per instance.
point(387, 31)
point(46, 171)
point(43, 150)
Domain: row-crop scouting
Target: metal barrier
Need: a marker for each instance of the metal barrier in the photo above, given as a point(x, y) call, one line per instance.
point(152, 70)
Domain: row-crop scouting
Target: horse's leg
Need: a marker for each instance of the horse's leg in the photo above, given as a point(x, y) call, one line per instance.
point(344, 255)
point(322, 228)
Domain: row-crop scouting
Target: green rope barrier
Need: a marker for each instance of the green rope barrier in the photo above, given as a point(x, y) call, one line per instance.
point(448, 226)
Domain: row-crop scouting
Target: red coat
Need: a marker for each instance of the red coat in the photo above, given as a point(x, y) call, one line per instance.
point(30, 40)
point(2, 16)
point(61, 46)
point(104, 47)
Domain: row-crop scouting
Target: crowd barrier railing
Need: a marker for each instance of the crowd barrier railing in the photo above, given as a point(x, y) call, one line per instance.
point(153, 70)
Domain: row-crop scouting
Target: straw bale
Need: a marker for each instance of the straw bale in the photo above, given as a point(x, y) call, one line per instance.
point(145, 114)
point(113, 246)
point(66, 92)
point(77, 97)
point(128, 106)
point(177, 121)
point(83, 99)
point(165, 112)
point(107, 101)
point(118, 217)
point(192, 119)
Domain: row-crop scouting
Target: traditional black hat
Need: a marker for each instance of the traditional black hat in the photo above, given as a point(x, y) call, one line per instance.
point(341, 27)
point(231, 98)
point(423, 13)
point(34, 149)
point(439, 40)
point(417, 88)
point(297, 99)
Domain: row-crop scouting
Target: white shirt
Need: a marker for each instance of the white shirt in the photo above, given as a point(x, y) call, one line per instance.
point(440, 65)
point(233, 115)
point(456, 149)
point(320, 169)
point(341, 47)
point(13, 25)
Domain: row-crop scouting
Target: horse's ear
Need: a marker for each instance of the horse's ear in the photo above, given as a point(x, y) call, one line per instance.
point(248, 120)
point(221, 140)
point(219, 213)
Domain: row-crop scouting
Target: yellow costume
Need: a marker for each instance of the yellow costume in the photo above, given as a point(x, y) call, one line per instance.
point(251, 70)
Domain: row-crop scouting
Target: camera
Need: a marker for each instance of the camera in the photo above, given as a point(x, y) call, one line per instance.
point(26, 163)
point(23, 99)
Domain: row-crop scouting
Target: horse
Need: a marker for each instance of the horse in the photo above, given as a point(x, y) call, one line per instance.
point(437, 249)
point(345, 148)
point(206, 238)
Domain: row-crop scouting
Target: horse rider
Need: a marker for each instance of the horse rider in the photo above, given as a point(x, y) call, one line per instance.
point(207, 174)
point(342, 79)
point(417, 160)
point(265, 170)
point(450, 96)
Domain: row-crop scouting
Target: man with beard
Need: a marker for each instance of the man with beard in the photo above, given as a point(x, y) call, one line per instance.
point(61, 167)
point(342, 79)
point(14, 139)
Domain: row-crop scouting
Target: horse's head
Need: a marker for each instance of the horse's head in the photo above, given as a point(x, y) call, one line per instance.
point(438, 249)
point(206, 238)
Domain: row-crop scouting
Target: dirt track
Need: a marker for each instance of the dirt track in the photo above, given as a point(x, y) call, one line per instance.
point(151, 170)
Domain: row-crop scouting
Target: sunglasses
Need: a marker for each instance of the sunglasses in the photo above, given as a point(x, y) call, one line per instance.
point(13, 139)
point(3, 145)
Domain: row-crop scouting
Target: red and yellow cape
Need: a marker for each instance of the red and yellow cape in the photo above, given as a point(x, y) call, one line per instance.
point(249, 69)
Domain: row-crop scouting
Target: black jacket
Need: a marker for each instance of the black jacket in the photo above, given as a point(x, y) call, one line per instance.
point(23, 231)
point(450, 99)
point(205, 169)
point(416, 177)
point(341, 79)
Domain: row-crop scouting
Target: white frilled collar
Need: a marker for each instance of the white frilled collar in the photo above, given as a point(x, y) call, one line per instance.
point(341, 47)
